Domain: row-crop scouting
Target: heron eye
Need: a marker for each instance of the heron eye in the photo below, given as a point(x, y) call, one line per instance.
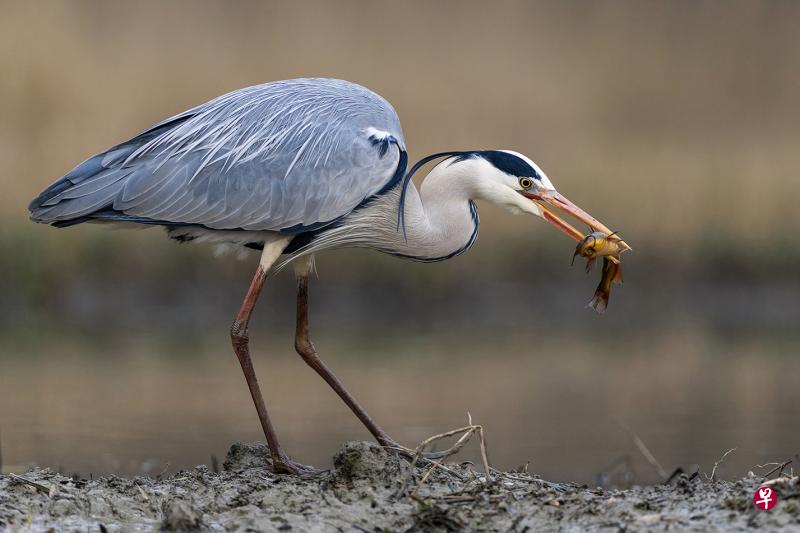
point(526, 183)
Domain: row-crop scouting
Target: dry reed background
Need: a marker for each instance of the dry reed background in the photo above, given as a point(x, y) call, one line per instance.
point(675, 122)
point(666, 117)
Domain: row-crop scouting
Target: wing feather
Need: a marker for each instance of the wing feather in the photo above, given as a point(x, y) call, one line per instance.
point(281, 156)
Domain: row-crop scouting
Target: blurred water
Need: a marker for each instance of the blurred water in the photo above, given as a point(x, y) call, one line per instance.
point(115, 358)
point(557, 398)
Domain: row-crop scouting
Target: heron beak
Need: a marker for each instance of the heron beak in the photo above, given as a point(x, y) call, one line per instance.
point(557, 200)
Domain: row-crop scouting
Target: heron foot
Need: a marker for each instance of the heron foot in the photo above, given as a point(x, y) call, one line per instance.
point(392, 446)
point(283, 465)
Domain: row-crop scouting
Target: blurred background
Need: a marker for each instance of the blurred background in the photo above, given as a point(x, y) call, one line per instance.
point(676, 123)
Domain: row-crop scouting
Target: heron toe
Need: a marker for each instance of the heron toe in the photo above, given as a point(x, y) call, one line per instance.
point(284, 465)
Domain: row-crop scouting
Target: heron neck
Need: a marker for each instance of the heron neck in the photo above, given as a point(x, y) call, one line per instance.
point(440, 221)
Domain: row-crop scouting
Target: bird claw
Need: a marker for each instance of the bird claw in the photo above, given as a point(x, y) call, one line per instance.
point(410, 454)
point(284, 465)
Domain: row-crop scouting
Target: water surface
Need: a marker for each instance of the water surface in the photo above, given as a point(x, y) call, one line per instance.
point(558, 400)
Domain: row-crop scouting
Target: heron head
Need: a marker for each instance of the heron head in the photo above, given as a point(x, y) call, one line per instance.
point(514, 182)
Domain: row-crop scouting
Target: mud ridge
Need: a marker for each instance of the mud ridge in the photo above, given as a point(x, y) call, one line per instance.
point(372, 490)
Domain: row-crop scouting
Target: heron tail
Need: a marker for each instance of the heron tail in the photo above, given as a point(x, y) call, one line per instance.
point(88, 191)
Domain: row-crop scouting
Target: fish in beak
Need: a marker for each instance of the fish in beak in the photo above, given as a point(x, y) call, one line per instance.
point(551, 198)
point(601, 243)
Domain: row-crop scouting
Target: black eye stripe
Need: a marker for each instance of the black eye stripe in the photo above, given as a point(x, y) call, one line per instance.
point(508, 163)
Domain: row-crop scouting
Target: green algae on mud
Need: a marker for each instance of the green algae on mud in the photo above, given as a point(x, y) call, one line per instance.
point(371, 490)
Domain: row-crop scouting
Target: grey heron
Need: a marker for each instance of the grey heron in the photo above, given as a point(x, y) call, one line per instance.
point(292, 168)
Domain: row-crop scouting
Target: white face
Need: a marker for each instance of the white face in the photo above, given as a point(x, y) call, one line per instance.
point(501, 180)
point(510, 180)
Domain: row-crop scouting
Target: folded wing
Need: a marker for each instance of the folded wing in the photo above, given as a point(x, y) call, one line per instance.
point(284, 156)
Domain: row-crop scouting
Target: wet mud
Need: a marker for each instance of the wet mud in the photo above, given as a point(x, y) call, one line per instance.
point(372, 490)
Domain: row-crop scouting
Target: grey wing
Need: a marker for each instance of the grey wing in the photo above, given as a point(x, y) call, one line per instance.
point(283, 156)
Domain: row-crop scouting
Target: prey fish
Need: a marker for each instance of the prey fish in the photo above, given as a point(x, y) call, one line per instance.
point(598, 244)
point(601, 243)
point(609, 247)
point(612, 273)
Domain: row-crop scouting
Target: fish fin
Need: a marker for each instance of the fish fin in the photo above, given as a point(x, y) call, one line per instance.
point(618, 276)
point(599, 301)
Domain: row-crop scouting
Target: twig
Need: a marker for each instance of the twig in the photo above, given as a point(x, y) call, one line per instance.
point(460, 442)
point(484, 454)
point(418, 453)
point(424, 479)
point(434, 466)
point(34, 484)
point(466, 433)
point(541, 482)
point(714, 470)
point(644, 450)
point(439, 465)
point(783, 479)
point(514, 477)
point(142, 492)
point(780, 468)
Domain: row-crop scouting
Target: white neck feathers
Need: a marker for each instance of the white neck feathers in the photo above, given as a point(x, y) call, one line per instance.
point(440, 220)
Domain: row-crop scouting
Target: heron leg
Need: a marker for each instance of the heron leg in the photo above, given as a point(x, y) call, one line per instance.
point(305, 348)
point(240, 340)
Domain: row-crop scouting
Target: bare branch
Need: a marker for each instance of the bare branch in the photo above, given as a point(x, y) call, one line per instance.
point(721, 459)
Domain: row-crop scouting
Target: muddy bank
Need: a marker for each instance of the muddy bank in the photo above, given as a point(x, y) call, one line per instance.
point(371, 490)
